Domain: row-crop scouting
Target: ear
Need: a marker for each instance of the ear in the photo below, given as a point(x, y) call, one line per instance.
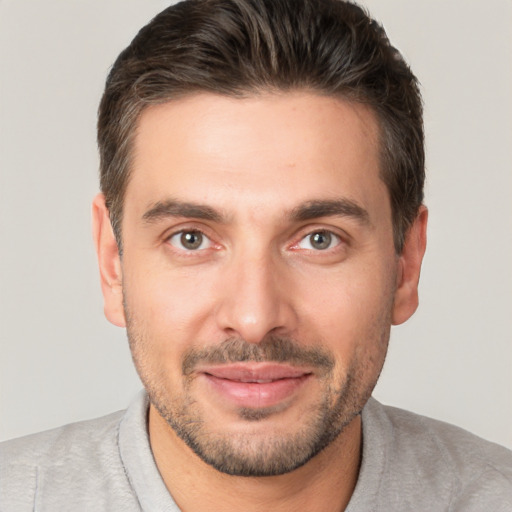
point(109, 262)
point(409, 266)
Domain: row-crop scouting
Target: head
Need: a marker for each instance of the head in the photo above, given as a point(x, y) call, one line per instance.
point(261, 224)
point(240, 48)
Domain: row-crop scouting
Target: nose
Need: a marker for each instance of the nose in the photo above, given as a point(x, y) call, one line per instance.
point(255, 299)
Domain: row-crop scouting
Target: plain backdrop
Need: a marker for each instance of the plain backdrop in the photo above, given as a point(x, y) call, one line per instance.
point(60, 360)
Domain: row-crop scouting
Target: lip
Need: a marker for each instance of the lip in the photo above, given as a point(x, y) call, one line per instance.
point(255, 385)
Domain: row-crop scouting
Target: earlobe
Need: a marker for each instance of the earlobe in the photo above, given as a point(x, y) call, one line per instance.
point(408, 275)
point(109, 262)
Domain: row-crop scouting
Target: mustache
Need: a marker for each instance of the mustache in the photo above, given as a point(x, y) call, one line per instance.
point(276, 349)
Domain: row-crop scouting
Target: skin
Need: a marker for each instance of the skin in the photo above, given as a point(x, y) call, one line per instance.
point(254, 166)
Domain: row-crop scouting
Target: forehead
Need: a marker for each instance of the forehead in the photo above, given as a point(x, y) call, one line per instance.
point(272, 150)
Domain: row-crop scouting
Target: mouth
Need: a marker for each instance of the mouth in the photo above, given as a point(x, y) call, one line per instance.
point(255, 385)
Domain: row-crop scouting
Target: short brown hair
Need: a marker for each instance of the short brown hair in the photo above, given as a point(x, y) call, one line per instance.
point(242, 47)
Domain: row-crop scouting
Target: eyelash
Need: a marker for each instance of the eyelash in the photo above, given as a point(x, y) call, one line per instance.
point(333, 238)
point(195, 231)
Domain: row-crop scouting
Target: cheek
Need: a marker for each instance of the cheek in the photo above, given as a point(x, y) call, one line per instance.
point(351, 287)
point(170, 307)
point(347, 306)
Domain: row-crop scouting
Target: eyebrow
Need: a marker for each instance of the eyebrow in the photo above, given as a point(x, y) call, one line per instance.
point(330, 208)
point(308, 211)
point(175, 208)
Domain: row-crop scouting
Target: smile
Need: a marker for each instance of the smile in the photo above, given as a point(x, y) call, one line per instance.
point(255, 385)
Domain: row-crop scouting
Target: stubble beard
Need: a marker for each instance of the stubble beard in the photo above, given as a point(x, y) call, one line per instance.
point(260, 455)
point(272, 454)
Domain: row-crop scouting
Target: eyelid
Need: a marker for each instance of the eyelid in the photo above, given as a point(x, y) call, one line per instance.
point(191, 228)
point(336, 239)
point(205, 240)
point(305, 232)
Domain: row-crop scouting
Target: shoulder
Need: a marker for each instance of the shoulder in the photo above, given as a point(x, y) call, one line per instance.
point(61, 444)
point(79, 452)
point(444, 460)
point(458, 448)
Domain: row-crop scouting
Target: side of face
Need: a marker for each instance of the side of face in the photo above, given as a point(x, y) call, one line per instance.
point(259, 279)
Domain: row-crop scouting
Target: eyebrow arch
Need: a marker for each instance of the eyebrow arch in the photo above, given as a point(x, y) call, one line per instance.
point(174, 208)
point(330, 208)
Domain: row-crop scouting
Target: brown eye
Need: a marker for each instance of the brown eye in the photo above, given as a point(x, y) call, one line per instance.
point(190, 240)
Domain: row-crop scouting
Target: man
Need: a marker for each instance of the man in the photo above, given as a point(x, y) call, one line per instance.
point(260, 229)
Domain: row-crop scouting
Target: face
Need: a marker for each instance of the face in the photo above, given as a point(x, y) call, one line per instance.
point(259, 279)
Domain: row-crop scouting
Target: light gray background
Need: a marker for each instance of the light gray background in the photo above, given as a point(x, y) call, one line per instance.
point(60, 361)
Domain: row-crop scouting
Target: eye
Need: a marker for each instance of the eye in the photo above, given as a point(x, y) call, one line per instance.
point(319, 241)
point(190, 240)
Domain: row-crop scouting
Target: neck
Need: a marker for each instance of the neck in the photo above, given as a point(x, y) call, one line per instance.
point(324, 484)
